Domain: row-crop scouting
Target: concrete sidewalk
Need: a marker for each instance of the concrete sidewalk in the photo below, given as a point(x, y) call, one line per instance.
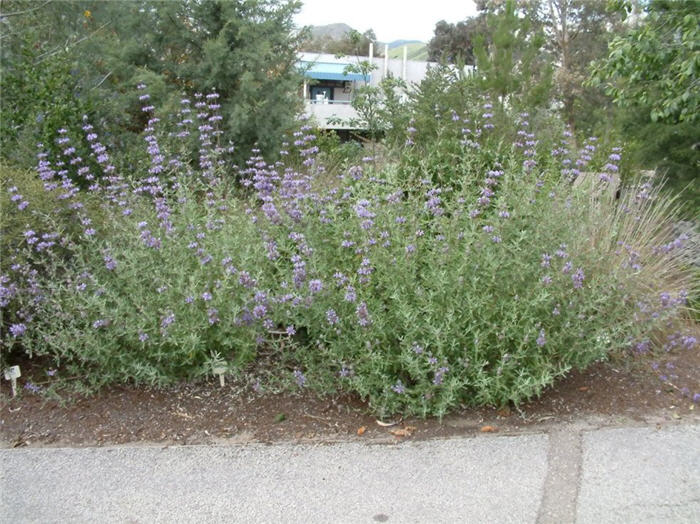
point(607, 475)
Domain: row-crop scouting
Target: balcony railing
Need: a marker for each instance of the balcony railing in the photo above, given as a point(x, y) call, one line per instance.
point(332, 114)
point(327, 101)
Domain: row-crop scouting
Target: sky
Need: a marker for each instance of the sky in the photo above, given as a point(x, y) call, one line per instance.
point(390, 19)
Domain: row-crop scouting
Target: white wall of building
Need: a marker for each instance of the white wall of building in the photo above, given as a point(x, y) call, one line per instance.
point(412, 71)
point(339, 95)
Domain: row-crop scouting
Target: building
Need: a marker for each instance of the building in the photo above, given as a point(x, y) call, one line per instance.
point(329, 87)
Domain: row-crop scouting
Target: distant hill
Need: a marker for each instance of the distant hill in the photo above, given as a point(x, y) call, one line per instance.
point(416, 51)
point(334, 31)
point(397, 43)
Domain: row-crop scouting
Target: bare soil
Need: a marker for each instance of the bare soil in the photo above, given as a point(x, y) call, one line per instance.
point(607, 394)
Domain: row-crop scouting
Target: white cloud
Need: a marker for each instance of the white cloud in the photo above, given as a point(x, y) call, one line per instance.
point(390, 19)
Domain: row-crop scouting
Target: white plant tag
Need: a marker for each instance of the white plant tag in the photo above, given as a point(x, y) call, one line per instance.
point(221, 370)
point(12, 374)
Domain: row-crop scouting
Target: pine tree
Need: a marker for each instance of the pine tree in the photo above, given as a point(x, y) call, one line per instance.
point(512, 66)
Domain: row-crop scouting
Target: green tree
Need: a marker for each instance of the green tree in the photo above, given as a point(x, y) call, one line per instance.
point(577, 32)
point(454, 43)
point(352, 43)
point(380, 108)
point(98, 51)
point(43, 83)
point(655, 65)
point(513, 67)
point(651, 73)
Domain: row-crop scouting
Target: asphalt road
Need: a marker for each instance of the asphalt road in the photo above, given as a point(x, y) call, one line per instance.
point(640, 474)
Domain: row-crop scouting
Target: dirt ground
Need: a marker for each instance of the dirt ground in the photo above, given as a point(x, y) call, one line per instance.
point(607, 394)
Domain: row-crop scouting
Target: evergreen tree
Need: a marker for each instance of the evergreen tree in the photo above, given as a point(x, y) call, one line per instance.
point(352, 43)
point(454, 43)
point(513, 66)
point(61, 59)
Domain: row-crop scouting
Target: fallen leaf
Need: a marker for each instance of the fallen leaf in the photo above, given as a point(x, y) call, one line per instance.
point(583, 388)
point(488, 429)
point(361, 430)
point(387, 424)
point(403, 432)
point(504, 412)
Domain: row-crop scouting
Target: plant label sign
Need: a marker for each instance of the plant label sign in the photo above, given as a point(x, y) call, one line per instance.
point(220, 370)
point(12, 374)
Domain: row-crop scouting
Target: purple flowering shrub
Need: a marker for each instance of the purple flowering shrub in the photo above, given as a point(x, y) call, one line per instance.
point(457, 144)
point(19, 188)
point(452, 307)
point(418, 293)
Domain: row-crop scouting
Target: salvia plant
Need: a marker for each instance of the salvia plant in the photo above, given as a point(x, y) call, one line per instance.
point(419, 289)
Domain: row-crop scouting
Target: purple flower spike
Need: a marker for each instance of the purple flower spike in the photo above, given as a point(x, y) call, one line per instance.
point(259, 311)
point(18, 330)
point(363, 317)
point(541, 341)
point(439, 374)
point(398, 388)
point(167, 320)
point(332, 317)
point(350, 294)
point(315, 286)
point(29, 386)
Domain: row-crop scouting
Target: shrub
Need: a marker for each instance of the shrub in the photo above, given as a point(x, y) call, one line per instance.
point(478, 283)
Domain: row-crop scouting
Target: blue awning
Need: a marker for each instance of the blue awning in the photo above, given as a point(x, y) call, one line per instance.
point(330, 71)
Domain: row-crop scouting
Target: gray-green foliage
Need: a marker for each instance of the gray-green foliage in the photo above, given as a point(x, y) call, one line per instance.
point(480, 284)
point(135, 299)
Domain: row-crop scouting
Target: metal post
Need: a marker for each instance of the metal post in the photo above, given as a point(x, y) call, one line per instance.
point(405, 57)
point(386, 59)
